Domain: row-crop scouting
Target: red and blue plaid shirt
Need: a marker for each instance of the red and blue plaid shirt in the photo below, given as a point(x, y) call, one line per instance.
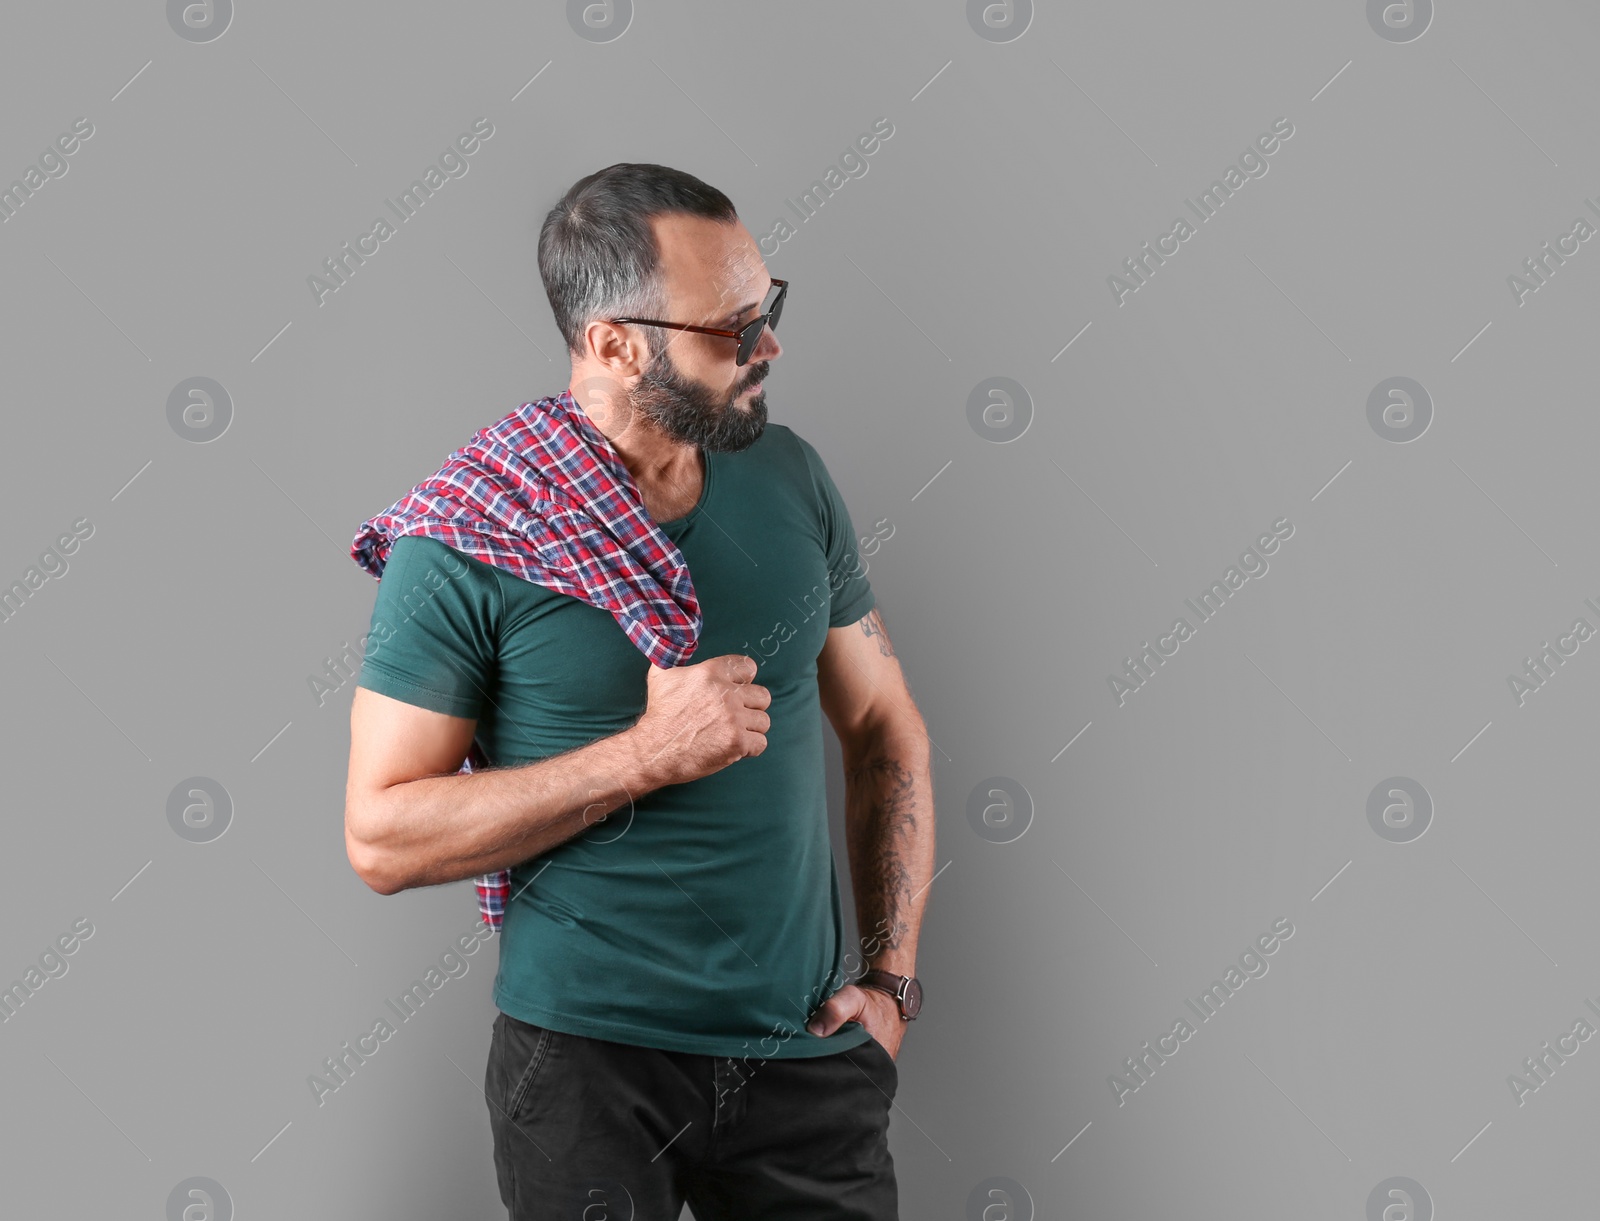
point(543, 494)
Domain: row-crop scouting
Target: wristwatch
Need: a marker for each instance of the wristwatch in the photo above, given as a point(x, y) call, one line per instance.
point(905, 989)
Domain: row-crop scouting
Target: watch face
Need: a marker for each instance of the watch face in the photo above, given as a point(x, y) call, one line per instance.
point(913, 998)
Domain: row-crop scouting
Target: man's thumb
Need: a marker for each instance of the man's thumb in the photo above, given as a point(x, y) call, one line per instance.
point(826, 1019)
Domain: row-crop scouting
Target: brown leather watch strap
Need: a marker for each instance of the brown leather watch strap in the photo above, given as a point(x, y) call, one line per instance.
point(889, 982)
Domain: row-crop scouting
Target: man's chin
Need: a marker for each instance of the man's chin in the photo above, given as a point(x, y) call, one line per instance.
point(744, 442)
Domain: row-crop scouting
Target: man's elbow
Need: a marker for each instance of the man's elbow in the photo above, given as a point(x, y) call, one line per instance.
point(372, 864)
point(894, 727)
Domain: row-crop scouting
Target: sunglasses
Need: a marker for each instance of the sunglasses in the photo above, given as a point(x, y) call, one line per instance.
point(748, 335)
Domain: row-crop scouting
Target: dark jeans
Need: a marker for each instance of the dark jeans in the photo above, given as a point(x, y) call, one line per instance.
point(590, 1130)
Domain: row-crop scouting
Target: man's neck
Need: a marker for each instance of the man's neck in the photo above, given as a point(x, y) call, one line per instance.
point(665, 469)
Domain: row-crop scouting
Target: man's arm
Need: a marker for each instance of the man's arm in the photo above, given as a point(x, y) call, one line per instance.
point(889, 822)
point(410, 820)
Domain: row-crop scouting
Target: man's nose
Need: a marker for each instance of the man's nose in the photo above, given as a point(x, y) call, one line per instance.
point(767, 347)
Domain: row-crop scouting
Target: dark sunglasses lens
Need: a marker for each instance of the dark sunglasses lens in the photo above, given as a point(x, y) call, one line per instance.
point(750, 335)
point(748, 338)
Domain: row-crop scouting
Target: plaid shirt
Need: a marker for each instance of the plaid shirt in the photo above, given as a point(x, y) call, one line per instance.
point(543, 494)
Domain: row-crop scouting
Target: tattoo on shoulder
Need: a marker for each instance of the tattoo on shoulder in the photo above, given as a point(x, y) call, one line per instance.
point(872, 625)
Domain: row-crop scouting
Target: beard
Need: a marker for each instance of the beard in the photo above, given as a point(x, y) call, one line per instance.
point(691, 413)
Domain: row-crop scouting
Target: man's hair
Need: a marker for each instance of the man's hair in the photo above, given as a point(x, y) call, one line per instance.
point(597, 252)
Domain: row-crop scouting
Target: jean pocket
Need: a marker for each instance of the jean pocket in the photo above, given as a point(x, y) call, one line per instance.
point(524, 1049)
point(885, 1057)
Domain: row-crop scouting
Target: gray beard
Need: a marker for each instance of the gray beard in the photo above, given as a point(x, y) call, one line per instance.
point(689, 413)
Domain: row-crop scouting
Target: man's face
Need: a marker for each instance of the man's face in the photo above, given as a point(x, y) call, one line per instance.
point(692, 389)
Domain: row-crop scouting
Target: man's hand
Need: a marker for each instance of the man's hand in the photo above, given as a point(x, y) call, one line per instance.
point(701, 718)
point(877, 1011)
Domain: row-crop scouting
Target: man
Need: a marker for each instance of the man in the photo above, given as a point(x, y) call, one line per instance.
point(672, 1022)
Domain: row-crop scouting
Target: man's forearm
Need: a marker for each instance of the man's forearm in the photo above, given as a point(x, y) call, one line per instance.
point(444, 828)
point(889, 832)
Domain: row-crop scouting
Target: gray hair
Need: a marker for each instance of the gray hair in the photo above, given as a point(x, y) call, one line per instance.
point(598, 256)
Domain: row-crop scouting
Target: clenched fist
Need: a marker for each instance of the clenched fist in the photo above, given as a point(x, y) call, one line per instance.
point(700, 718)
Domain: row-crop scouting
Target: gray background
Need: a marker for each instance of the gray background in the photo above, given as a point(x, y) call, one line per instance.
point(1228, 392)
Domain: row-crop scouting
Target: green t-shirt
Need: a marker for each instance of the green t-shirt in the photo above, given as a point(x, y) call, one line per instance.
point(708, 921)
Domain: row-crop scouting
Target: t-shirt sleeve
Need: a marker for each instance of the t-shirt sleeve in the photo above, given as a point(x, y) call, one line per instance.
point(433, 630)
point(852, 595)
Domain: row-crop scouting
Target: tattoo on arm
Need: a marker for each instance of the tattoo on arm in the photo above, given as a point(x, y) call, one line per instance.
point(882, 789)
point(872, 625)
